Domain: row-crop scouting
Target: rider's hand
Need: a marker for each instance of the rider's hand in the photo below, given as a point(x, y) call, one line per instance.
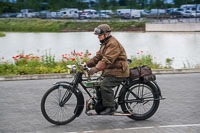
point(90, 63)
point(92, 71)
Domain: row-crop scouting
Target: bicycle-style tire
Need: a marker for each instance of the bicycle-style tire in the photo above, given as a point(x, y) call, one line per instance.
point(50, 105)
point(146, 106)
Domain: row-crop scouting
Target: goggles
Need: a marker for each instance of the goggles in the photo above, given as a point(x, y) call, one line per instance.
point(98, 31)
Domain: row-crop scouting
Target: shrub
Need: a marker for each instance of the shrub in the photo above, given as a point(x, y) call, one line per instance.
point(2, 34)
point(143, 59)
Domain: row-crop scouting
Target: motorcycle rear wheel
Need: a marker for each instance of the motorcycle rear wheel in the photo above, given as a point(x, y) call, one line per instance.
point(141, 100)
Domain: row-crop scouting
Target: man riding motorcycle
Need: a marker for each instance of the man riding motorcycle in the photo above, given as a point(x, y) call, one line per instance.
point(111, 59)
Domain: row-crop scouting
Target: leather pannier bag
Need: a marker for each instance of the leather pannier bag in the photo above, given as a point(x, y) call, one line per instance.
point(143, 72)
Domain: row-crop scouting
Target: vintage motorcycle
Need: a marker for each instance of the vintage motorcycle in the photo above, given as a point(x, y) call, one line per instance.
point(62, 103)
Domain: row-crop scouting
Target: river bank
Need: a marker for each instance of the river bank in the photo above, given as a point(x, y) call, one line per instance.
point(44, 25)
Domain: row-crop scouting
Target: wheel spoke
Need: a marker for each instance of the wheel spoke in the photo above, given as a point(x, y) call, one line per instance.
point(142, 105)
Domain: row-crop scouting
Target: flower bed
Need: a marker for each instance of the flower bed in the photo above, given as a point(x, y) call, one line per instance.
point(31, 64)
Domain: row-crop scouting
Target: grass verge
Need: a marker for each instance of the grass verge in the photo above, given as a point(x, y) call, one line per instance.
point(44, 25)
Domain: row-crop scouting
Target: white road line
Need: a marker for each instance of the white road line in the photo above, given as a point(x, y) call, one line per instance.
point(136, 128)
point(186, 125)
point(139, 128)
point(117, 129)
point(88, 131)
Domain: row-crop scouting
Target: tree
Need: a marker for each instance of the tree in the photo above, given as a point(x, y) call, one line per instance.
point(178, 3)
point(8, 7)
point(113, 4)
point(141, 4)
point(159, 4)
point(122, 2)
point(197, 1)
point(132, 4)
point(103, 4)
point(33, 4)
point(82, 5)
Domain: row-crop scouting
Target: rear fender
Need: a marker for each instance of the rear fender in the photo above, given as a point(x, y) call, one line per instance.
point(153, 83)
point(158, 89)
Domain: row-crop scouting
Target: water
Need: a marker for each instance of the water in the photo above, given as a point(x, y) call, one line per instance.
point(183, 47)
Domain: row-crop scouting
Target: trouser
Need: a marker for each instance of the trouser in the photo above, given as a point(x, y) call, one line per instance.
point(107, 94)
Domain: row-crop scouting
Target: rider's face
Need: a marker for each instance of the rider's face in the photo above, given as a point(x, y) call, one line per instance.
point(101, 37)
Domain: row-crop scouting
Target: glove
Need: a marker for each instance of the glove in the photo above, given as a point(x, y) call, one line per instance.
point(92, 71)
point(101, 65)
point(90, 63)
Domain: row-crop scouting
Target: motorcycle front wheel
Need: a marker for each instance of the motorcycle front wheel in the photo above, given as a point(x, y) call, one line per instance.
point(58, 105)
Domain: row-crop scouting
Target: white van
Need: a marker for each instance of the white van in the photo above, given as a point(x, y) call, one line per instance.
point(69, 13)
point(136, 13)
point(106, 12)
point(194, 9)
point(121, 12)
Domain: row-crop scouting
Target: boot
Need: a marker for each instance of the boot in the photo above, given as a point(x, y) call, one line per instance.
point(108, 111)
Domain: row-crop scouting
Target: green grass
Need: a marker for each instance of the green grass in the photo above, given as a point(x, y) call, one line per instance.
point(2, 34)
point(43, 25)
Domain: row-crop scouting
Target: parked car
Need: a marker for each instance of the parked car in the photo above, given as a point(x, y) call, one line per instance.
point(157, 12)
point(109, 12)
point(5, 15)
point(195, 14)
point(102, 15)
point(19, 15)
point(35, 14)
point(145, 13)
point(85, 15)
point(187, 14)
point(45, 14)
point(177, 12)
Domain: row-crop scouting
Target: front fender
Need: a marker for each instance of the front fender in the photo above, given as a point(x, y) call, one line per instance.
point(63, 83)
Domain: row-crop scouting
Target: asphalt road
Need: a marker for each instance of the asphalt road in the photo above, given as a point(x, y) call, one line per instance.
point(179, 113)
